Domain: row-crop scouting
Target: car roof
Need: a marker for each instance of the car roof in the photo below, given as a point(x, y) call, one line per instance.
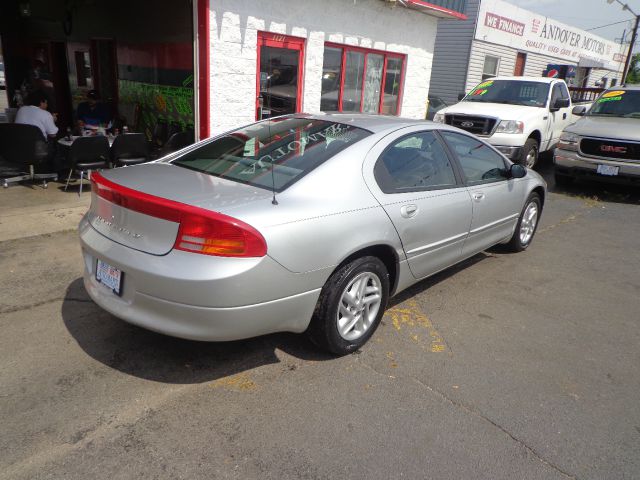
point(372, 122)
point(527, 79)
point(625, 87)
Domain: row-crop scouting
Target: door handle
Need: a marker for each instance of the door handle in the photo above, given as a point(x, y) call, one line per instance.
point(408, 211)
point(564, 116)
point(477, 196)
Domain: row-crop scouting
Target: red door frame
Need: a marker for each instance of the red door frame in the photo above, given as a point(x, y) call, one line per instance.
point(386, 55)
point(203, 67)
point(521, 61)
point(278, 40)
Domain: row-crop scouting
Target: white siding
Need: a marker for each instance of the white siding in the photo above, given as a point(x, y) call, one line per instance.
point(534, 66)
point(597, 74)
point(366, 23)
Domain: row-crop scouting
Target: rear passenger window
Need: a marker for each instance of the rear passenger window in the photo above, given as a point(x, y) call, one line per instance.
point(479, 162)
point(414, 162)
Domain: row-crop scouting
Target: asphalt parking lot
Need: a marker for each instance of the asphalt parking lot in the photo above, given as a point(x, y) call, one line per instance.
point(511, 366)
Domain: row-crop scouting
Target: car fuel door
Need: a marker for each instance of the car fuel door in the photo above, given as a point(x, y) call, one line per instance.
point(413, 178)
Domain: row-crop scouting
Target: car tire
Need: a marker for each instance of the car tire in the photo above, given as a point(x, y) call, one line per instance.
point(527, 224)
point(530, 153)
point(351, 305)
point(562, 180)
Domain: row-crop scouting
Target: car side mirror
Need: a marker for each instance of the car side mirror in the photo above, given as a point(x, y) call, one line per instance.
point(461, 95)
point(560, 103)
point(517, 171)
point(580, 110)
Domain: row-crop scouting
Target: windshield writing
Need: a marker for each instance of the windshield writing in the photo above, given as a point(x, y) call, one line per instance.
point(617, 103)
point(512, 92)
point(274, 153)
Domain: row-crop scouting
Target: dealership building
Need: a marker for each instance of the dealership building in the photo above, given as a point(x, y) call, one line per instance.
point(212, 65)
point(500, 39)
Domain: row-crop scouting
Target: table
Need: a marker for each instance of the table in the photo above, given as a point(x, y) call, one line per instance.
point(67, 143)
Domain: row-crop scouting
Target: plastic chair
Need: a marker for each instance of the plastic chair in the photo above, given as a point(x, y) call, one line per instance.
point(86, 154)
point(129, 149)
point(22, 147)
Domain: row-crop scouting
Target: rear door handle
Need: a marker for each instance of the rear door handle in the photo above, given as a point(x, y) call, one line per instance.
point(477, 196)
point(408, 211)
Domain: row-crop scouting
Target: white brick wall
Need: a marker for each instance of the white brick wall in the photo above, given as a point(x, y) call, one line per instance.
point(366, 23)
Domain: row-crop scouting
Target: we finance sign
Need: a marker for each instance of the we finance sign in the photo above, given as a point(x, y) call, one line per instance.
point(502, 23)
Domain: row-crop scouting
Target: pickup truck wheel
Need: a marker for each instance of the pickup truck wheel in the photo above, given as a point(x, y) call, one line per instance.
point(530, 153)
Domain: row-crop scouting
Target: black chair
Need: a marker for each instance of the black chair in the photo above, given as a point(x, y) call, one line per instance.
point(176, 142)
point(160, 134)
point(86, 154)
point(129, 149)
point(174, 127)
point(22, 147)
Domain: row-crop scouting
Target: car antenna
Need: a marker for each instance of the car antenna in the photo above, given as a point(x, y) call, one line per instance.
point(273, 162)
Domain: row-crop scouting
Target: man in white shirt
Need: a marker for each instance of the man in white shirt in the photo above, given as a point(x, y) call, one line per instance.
point(36, 114)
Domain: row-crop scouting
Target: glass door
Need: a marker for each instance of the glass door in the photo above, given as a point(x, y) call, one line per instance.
point(279, 83)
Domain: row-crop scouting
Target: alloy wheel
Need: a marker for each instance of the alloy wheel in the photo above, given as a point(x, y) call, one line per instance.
point(529, 223)
point(359, 305)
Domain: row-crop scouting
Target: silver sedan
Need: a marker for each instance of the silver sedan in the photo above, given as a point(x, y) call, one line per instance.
point(302, 223)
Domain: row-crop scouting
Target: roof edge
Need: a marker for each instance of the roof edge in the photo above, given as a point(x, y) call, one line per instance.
point(435, 10)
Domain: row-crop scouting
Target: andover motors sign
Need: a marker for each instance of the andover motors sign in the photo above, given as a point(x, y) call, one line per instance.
point(505, 24)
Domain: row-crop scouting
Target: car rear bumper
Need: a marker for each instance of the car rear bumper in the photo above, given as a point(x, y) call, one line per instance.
point(212, 299)
point(575, 165)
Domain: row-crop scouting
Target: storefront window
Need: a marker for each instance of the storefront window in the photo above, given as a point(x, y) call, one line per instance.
point(360, 80)
point(392, 85)
point(331, 71)
point(352, 91)
point(372, 83)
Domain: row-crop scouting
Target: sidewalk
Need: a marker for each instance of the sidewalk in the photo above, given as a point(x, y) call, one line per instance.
point(28, 210)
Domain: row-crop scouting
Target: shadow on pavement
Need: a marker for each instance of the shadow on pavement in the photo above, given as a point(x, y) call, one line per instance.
point(427, 283)
point(152, 356)
point(585, 188)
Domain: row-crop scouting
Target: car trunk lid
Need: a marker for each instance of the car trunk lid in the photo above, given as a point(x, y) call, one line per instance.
point(142, 207)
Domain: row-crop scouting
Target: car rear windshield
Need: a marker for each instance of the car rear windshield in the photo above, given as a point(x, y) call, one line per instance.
point(511, 92)
point(272, 154)
point(617, 103)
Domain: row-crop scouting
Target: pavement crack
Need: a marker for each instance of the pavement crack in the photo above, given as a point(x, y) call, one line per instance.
point(478, 414)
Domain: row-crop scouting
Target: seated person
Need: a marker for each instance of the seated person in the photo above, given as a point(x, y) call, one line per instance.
point(36, 113)
point(92, 113)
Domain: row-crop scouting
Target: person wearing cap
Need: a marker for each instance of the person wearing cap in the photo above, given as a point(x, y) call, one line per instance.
point(92, 113)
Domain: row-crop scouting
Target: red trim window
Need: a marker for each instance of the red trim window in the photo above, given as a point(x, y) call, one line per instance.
point(280, 74)
point(358, 79)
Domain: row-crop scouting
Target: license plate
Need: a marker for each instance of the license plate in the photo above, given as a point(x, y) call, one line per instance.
point(608, 170)
point(109, 276)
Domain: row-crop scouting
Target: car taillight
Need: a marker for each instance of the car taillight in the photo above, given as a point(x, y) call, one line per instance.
point(219, 236)
point(201, 231)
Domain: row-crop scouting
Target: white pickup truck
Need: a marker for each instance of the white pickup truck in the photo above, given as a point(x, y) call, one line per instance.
point(519, 116)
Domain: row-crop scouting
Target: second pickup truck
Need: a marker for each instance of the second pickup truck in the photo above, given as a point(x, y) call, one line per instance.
point(519, 116)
